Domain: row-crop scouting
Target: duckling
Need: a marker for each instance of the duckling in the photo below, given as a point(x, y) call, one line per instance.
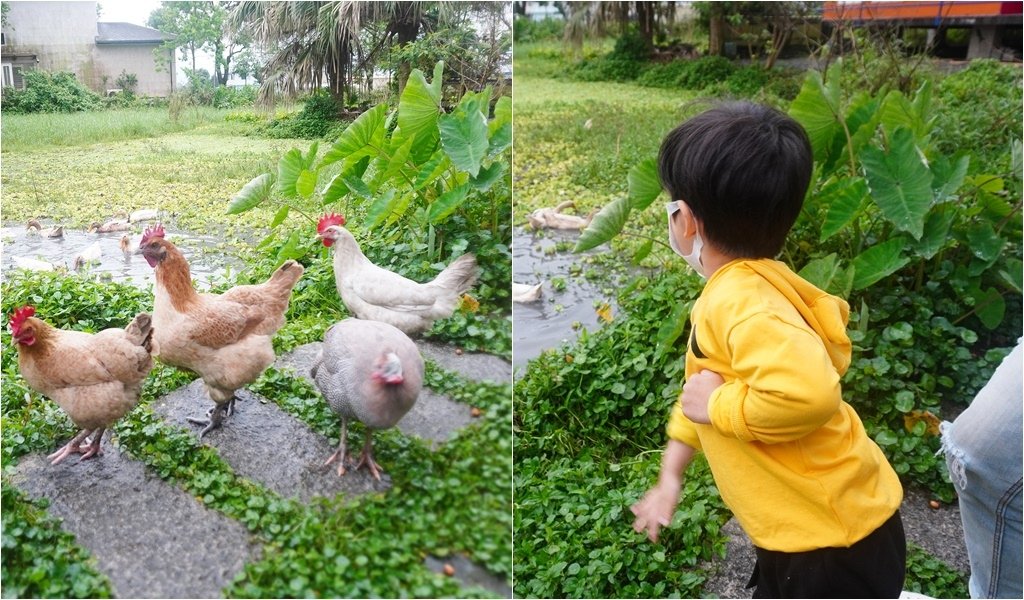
point(89, 255)
point(109, 227)
point(125, 245)
point(54, 232)
point(522, 292)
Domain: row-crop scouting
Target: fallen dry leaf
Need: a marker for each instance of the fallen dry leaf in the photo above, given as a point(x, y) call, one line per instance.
point(605, 312)
point(913, 417)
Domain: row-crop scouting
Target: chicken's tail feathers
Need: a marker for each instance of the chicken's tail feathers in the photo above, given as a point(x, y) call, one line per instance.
point(458, 276)
point(287, 275)
point(140, 331)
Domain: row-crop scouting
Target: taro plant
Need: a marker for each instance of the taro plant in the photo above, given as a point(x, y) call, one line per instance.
point(414, 167)
point(926, 247)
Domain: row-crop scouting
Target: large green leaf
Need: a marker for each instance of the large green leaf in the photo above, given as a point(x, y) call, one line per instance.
point(305, 184)
point(367, 130)
point(989, 306)
point(644, 184)
point(844, 199)
point(501, 138)
point(946, 177)
point(900, 183)
point(606, 224)
point(862, 121)
point(821, 271)
point(419, 107)
point(447, 203)
point(674, 326)
point(984, 242)
point(936, 233)
point(1013, 276)
point(817, 108)
point(488, 176)
point(878, 262)
point(431, 169)
point(464, 135)
point(288, 169)
point(380, 209)
point(502, 114)
point(252, 194)
point(282, 214)
point(397, 162)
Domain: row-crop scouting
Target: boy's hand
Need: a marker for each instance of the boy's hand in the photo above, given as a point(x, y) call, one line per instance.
point(696, 393)
point(656, 509)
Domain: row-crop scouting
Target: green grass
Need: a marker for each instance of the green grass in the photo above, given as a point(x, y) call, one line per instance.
point(27, 133)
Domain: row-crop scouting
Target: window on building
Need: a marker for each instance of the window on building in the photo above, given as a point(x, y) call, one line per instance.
point(8, 76)
point(3, 39)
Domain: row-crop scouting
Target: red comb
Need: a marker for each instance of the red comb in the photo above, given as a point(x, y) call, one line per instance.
point(152, 232)
point(18, 316)
point(328, 220)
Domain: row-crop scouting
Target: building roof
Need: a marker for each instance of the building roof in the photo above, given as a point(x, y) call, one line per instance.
point(127, 33)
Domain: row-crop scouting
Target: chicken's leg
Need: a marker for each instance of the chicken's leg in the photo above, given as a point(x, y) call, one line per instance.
point(93, 448)
point(72, 447)
point(366, 458)
point(341, 454)
point(215, 418)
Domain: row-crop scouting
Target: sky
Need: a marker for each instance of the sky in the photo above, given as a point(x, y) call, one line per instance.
point(137, 12)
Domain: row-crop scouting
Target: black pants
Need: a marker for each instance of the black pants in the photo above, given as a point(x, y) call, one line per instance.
point(872, 568)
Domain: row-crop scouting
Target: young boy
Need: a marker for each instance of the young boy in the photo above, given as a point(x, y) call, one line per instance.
point(762, 397)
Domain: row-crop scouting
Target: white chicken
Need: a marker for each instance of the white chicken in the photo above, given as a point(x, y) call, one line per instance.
point(371, 372)
point(370, 292)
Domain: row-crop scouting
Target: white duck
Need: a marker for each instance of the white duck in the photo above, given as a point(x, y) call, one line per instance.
point(32, 264)
point(109, 227)
point(143, 214)
point(525, 293)
point(89, 255)
point(554, 218)
point(370, 292)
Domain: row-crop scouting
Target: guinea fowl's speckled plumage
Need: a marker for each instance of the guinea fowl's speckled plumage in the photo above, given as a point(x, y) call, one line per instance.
point(343, 370)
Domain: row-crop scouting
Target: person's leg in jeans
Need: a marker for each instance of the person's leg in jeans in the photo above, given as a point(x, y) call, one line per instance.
point(983, 453)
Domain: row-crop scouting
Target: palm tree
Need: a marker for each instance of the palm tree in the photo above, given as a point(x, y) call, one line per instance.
point(309, 41)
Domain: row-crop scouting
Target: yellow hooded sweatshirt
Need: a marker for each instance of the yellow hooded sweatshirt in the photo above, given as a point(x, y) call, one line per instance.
point(790, 457)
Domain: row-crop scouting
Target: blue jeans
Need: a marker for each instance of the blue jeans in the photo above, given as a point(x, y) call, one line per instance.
point(983, 453)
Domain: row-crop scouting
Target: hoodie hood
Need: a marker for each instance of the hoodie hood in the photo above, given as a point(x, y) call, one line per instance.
point(826, 314)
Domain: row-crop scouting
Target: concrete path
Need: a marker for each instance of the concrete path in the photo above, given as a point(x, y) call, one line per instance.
point(154, 540)
point(264, 443)
point(151, 539)
point(938, 531)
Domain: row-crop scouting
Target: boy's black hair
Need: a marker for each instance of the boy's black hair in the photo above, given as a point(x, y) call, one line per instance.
point(743, 169)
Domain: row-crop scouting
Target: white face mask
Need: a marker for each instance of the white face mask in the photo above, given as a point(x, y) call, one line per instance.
point(693, 258)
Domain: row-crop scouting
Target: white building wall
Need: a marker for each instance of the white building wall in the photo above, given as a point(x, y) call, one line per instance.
point(60, 34)
point(111, 59)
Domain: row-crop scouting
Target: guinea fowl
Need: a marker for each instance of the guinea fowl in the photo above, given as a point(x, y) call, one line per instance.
point(225, 338)
point(95, 378)
point(371, 372)
point(371, 292)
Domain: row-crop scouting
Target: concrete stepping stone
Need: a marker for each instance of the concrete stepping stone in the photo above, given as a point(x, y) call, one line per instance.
point(434, 417)
point(265, 444)
point(469, 574)
point(476, 366)
point(152, 539)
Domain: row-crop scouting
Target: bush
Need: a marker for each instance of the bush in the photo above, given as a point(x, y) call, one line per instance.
point(526, 30)
point(228, 97)
point(705, 71)
point(664, 75)
point(702, 73)
point(606, 68)
point(50, 93)
point(318, 119)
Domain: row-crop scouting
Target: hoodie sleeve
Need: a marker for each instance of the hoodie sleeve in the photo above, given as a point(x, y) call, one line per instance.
point(785, 386)
point(682, 429)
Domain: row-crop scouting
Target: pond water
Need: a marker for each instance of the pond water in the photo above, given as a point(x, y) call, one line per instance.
point(548, 322)
point(207, 264)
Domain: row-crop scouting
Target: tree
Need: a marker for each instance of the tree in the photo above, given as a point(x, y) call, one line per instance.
point(195, 26)
point(308, 42)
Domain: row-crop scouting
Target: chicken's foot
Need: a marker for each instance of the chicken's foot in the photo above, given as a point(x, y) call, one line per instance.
point(341, 454)
point(72, 447)
point(215, 417)
point(366, 458)
point(93, 449)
